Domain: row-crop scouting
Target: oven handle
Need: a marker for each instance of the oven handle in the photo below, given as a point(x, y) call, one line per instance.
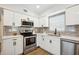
point(29, 37)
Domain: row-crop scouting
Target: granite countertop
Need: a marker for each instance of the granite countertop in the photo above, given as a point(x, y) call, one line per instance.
point(10, 36)
point(66, 37)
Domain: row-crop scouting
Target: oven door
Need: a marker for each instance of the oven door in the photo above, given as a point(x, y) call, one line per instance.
point(29, 42)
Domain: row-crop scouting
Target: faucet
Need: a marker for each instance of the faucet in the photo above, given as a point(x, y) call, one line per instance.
point(55, 32)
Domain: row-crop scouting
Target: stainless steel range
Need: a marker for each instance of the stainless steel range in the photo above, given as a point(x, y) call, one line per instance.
point(29, 43)
point(29, 38)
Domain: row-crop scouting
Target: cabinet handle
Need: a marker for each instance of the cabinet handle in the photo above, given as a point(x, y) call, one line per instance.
point(13, 24)
point(14, 39)
point(50, 41)
point(43, 39)
point(14, 43)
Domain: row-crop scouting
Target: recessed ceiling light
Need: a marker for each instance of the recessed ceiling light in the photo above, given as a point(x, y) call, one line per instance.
point(37, 6)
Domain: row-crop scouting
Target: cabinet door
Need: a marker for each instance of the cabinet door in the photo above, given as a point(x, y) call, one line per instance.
point(39, 40)
point(7, 47)
point(17, 19)
point(40, 22)
point(47, 44)
point(72, 15)
point(50, 45)
point(55, 45)
point(19, 45)
point(45, 21)
point(36, 24)
point(43, 41)
point(8, 18)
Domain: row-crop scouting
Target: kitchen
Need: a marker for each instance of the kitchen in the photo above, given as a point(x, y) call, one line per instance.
point(53, 28)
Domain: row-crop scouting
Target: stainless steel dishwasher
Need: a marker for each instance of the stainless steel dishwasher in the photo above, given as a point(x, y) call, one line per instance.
point(69, 47)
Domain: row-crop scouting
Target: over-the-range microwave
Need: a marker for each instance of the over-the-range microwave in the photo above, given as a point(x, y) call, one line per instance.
point(27, 23)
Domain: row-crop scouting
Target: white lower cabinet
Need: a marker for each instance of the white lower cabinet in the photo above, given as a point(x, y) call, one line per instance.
point(49, 43)
point(55, 45)
point(7, 47)
point(12, 46)
point(39, 40)
point(19, 45)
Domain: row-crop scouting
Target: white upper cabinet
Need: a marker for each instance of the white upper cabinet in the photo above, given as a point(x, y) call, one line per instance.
point(72, 15)
point(10, 18)
point(35, 20)
point(58, 22)
point(17, 19)
point(43, 21)
point(7, 18)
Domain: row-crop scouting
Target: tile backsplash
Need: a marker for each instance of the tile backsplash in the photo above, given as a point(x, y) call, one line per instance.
point(7, 30)
point(72, 30)
point(40, 29)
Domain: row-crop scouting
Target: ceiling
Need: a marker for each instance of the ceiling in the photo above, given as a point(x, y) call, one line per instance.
point(32, 7)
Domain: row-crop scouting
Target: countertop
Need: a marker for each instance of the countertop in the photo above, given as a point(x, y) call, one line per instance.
point(75, 38)
point(12, 36)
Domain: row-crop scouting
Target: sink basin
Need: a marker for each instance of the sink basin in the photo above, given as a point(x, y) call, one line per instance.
point(54, 35)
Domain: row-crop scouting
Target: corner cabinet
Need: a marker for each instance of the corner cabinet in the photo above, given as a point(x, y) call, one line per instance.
point(36, 23)
point(12, 46)
point(49, 43)
point(43, 21)
point(72, 15)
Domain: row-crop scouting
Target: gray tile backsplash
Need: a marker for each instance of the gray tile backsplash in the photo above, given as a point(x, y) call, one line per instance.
point(40, 29)
point(72, 30)
point(7, 30)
